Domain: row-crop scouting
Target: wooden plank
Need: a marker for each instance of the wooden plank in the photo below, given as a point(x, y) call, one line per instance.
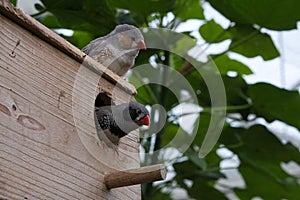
point(48, 145)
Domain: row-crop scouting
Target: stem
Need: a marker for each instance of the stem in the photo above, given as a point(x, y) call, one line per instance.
point(39, 13)
point(261, 169)
point(190, 68)
point(147, 87)
point(215, 39)
point(208, 110)
point(162, 98)
point(161, 93)
point(239, 43)
point(236, 145)
point(227, 108)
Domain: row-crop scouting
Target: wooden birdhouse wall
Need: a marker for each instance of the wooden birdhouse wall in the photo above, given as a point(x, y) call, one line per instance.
point(48, 146)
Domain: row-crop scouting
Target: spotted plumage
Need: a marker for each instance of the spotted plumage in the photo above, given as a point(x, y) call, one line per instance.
point(104, 122)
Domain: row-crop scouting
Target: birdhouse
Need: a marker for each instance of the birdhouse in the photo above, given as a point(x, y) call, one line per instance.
point(48, 143)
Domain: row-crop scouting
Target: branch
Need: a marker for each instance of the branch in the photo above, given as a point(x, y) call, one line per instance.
point(135, 176)
point(187, 67)
point(39, 13)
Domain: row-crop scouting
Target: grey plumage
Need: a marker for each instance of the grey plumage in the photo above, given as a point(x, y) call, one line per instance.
point(114, 122)
point(118, 49)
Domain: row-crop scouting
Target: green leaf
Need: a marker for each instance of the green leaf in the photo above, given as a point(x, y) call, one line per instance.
point(182, 44)
point(226, 64)
point(80, 38)
point(202, 181)
point(94, 17)
point(39, 7)
point(157, 195)
point(251, 42)
point(194, 157)
point(261, 155)
point(274, 103)
point(14, 2)
point(236, 88)
point(188, 170)
point(126, 18)
point(203, 124)
point(144, 56)
point(256, 144)
point(51, 21)
point(205, 190)
point(81, 21)
point(213, 32)
point(176, 61)
point(189, 9)
point(174, 136)
point(271, 14)
point(144, 7)
point(262, 185)
point(52, 4)
point(200, 87)
point(170, 131)
point(145, 94)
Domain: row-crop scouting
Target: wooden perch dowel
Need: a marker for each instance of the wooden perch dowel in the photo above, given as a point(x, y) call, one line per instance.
point(135, 176)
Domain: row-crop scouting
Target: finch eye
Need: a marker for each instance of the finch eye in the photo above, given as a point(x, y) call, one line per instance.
point(139, 112)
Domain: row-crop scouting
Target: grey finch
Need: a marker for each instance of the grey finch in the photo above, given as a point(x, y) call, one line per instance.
point(118, 49)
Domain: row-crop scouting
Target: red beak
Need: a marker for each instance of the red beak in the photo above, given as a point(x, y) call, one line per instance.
point(142, 45)
point(145, 120)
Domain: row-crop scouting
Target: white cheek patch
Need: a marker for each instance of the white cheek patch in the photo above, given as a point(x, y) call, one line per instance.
point(139, 117)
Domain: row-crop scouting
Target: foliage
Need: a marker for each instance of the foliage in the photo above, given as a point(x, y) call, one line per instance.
point(259, 151)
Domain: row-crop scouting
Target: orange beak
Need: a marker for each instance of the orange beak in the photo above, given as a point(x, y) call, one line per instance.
point(142, 45)
point(145, 120)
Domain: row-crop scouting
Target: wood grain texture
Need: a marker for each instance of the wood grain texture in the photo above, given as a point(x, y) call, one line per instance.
point(140, 175)
point(48, 145)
